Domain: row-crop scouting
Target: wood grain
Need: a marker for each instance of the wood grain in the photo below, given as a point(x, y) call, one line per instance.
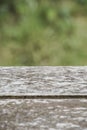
point(43, 81)
point(43, 98)
point(43, 114)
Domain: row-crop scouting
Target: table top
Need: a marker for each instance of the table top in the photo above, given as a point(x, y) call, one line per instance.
point(43, 98)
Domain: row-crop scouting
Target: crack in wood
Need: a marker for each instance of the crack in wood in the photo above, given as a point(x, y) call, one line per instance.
point(43, 96)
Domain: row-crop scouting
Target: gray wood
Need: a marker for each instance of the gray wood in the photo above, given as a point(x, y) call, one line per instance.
point(43, 80)
point(43, 114)
point(45, 89)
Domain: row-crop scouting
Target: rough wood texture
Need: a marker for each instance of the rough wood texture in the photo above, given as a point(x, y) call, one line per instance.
point(43, 114)
point(43, 80)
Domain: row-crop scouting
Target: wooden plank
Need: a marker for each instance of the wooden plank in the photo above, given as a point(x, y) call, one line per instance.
point(43, 114)
point(43, 81)
point(42, 98)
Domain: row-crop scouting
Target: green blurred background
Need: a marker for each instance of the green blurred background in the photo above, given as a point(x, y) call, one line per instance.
point(43, 32)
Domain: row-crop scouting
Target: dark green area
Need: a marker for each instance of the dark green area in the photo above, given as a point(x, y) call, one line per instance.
point(43, 32)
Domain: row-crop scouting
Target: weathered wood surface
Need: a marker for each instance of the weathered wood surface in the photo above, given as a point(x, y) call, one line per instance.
point(43, 80)
point(43, 114)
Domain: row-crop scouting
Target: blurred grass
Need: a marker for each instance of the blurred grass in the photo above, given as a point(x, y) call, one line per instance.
point(43, 32)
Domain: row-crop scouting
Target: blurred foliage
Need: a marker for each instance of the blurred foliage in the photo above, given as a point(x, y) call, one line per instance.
point(43, 32)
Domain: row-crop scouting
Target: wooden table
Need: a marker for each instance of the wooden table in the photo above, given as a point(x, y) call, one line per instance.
point(43, 98)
